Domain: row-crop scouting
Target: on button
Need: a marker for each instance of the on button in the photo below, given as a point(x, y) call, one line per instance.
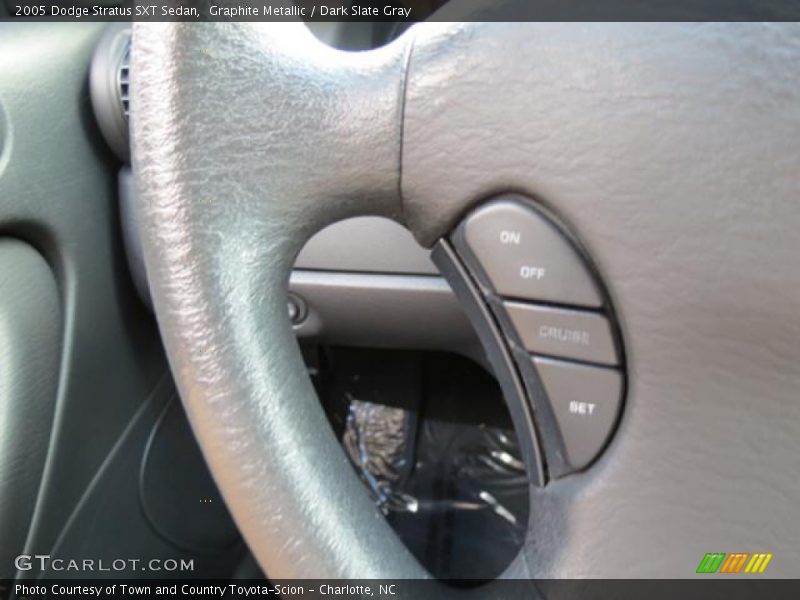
point(525, 256)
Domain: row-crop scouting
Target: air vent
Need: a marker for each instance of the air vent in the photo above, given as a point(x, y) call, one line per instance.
point(110, 85)
point(124, 81)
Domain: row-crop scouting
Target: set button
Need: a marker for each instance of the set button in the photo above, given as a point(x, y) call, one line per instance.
point(586, 402)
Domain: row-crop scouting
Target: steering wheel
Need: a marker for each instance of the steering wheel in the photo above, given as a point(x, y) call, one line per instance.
point(671, 149)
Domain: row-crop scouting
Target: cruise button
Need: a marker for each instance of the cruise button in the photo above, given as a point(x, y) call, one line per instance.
point(525, 256)
point(586, 402)
point(575, 334)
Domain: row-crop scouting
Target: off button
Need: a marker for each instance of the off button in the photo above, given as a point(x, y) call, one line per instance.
point(525, 256)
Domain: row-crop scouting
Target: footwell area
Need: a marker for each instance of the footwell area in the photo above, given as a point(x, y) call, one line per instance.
point(430, 437)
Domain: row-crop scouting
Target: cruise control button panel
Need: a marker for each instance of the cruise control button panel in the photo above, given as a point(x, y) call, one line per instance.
point(525, 256)
point(557, 321)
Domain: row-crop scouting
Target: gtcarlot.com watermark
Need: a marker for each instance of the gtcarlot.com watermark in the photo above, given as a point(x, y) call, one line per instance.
point(44, 563)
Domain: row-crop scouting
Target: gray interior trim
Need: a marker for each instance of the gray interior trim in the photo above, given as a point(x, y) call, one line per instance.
point(388, 311)
point(57, 184)
point(112, 520)
point(367, 245)
point(30, 346)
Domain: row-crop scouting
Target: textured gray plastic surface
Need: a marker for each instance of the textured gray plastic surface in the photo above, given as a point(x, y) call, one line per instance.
point(30, 346)
point(689, 211)
point(525, 256)
point(575, 334)
point(586, 402)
